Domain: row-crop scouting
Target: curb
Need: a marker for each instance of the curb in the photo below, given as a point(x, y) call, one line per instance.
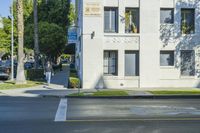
point(52, 96)
point(126, 97)
point(139, 97)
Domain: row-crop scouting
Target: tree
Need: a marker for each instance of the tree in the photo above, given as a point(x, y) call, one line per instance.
point(5, 37)
point(36, 45)
point(27, 11)
point(55, 11)
point(51, 11)
point(72, 15)
point(20, 79)
point(52, 39)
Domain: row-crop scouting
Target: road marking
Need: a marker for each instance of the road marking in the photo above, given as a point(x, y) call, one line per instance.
point(62, 111)
point(137, 119)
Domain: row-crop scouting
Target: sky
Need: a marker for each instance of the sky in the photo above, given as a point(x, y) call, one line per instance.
point(5, 7)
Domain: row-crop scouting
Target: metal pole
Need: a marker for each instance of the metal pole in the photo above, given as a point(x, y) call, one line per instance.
point(12, 45)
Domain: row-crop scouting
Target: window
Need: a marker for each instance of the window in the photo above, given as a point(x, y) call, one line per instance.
point(132, 20)
point(187, 63)
point(187, 21)
point(166, 16)
point(167, 58)
point(110, 62)
point(131, 63)
point(110, 20)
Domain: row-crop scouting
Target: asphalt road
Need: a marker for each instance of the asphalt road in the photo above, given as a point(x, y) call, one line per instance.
point(131, 109)
point(36, 115)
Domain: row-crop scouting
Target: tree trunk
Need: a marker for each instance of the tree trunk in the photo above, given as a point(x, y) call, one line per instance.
point(20, 24)
point(58, 60)
point(36, 42)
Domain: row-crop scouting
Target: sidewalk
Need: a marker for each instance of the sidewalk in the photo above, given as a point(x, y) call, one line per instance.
point(56, 91)
point(60, 79)
point(58, 87)
point(52, 91)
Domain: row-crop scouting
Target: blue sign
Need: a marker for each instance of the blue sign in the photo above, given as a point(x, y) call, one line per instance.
point(72, 35)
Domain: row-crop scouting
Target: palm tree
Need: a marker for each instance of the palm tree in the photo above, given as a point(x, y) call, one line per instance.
point(36, 43)
point(20, 79)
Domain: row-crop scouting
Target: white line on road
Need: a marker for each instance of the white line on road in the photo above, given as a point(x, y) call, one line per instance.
point(62, 111)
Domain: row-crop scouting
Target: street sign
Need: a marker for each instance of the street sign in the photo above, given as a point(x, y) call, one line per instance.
point(72, 34)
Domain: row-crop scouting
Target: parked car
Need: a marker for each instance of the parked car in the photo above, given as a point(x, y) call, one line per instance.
point(7, 63)
point(4, 73)
point(28, 65)
point(5, 69)
point(1, 62)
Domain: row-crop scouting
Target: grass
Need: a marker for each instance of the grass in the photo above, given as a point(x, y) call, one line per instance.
point(76, 94)
point(102, 93)
point(110, 93)
point(176, 92)
point(11, 85)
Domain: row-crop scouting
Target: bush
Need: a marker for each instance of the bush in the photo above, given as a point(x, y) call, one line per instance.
point(73, 73)
point(73, 70)
point(74, 82)
point(35, 74)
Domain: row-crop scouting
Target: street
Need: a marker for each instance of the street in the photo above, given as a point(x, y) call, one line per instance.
point(37, 115)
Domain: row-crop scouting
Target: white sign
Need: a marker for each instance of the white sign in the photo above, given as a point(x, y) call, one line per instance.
point(92, 9)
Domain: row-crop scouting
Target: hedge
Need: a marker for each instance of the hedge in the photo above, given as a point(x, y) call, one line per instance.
point(74, 82)
point(35, 74)
point(73, 73)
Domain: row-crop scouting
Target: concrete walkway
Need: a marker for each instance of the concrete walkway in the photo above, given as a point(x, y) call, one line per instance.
point(58, 87)
point(60, 79)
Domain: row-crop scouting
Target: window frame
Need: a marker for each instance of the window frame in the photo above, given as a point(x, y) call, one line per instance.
point(110, 23)
point(138, 27)
point(172, 9)
point(137, 66)
point(194, 19)
point(116, 62)
point(172, 55)
point(192, 53)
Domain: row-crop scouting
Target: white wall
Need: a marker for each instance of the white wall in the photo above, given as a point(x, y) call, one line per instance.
point(167, 3)
point(148, 42)
point(171, 76)
point(92, 48)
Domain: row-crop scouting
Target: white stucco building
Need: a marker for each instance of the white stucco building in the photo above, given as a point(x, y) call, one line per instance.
point(138, 43)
